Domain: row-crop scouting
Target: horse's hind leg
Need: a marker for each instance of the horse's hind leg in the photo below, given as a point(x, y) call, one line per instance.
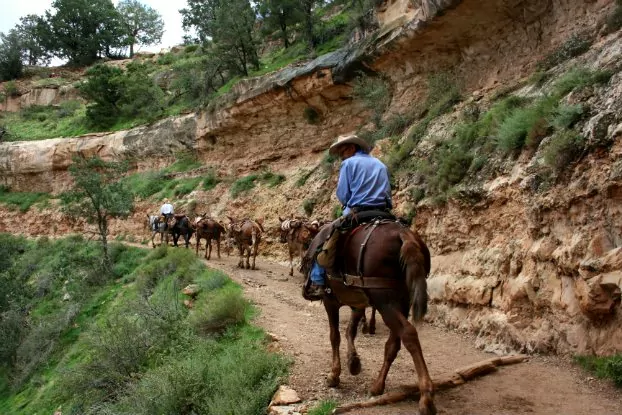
point(401, 328)
point(372, 321)
point(391, 348)
point(208, 248)
point(291, 261)
point(354, 361)
point(218, 246)
point(332, 309)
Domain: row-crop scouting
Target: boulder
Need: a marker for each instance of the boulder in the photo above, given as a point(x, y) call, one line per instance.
point(284, 396)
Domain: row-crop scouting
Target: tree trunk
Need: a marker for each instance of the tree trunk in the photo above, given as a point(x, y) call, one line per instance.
point(284, 31)
point(131, 50)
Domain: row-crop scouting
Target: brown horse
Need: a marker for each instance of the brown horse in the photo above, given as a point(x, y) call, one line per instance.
point(385, 265)
point(209, 229)
point(297, 233)
point(246, 234)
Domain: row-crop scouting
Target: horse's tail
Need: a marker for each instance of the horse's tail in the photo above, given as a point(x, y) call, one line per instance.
point(415, 261)
point(254, 236)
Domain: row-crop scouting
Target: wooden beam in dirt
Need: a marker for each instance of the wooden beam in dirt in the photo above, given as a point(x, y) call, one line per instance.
point(451, 380)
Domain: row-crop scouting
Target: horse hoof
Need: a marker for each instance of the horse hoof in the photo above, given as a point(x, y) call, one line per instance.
point(426, 407)
point(332, 381)
point(365, 329)
point(354, 365)
point(376, 390)
point(372, 331)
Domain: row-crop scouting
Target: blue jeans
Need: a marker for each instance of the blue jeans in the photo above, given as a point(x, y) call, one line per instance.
point(318, 274)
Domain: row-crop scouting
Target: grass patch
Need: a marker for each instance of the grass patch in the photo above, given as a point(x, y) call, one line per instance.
point(565, 147)
point(42, 122)
point(576, 45)
point(607, 367)
point(185, 161)
point(443, 94)
point(207, 360)
point(613, 22)
point(53, 82)
point(308, 205)
point(242, 185)
point(323, 408)
point(21, 200)
point(210, 180)
point(271, 179)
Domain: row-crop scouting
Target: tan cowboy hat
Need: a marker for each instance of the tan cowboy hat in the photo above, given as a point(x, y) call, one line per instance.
point(348, 139)
point(166, 200)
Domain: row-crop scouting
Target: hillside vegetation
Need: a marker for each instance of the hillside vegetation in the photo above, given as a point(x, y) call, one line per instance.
point(113, 97)
point(84, 341)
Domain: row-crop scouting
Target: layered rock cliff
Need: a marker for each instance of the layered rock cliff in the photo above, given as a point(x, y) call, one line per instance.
point(524, 266)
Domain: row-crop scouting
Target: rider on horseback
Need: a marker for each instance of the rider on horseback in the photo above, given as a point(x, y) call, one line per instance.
point(167, 211)
point(363, 186)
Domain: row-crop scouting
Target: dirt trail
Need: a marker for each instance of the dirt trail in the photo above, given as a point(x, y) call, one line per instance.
point(544, 385)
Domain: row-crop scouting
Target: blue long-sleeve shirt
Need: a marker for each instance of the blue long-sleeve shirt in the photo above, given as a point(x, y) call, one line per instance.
point(363, 181)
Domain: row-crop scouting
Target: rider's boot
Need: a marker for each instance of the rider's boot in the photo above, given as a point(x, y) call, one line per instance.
point(326, 257)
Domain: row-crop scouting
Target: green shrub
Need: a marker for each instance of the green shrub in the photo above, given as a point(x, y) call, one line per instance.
point(564, 147)
point(191, 48)
point(613, 22)
point(21, 200)
point(184, 161)
point(116, 95)
point(226, 307)
point(302, 180)
point(375, 94)
point(210, 180)
point(242, 185)
point(539, 78)
point(579, 78)
point(337, 212)
point(576, 45)
point(443, 94)
point(607, 367)
point(10, 89)
point(452, 166)
point(185, 186)
point(271, 179)
point(522, 123)
point(166, 59)
point(308, 205)
point(566, 116)
point(323, 408)
point(68, 108)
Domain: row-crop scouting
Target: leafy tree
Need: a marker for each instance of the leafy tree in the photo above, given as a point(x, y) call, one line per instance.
point(200, 15)
point(229, 25)
point(140, 96)
point(115, 94)
point(306, 7)
point(11, 66)
point(103, 90)
point(196, 79)
point(33, 31)
point(141, 24)
point(279, 15)
point(98, 195)
point(82, 30)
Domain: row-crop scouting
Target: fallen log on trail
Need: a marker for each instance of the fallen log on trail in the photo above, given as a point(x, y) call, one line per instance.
point(459, 377)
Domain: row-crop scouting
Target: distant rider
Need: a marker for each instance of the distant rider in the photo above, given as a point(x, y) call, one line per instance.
point(167, 211)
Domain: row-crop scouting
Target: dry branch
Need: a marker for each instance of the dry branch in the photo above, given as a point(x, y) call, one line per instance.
point(448, 381)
